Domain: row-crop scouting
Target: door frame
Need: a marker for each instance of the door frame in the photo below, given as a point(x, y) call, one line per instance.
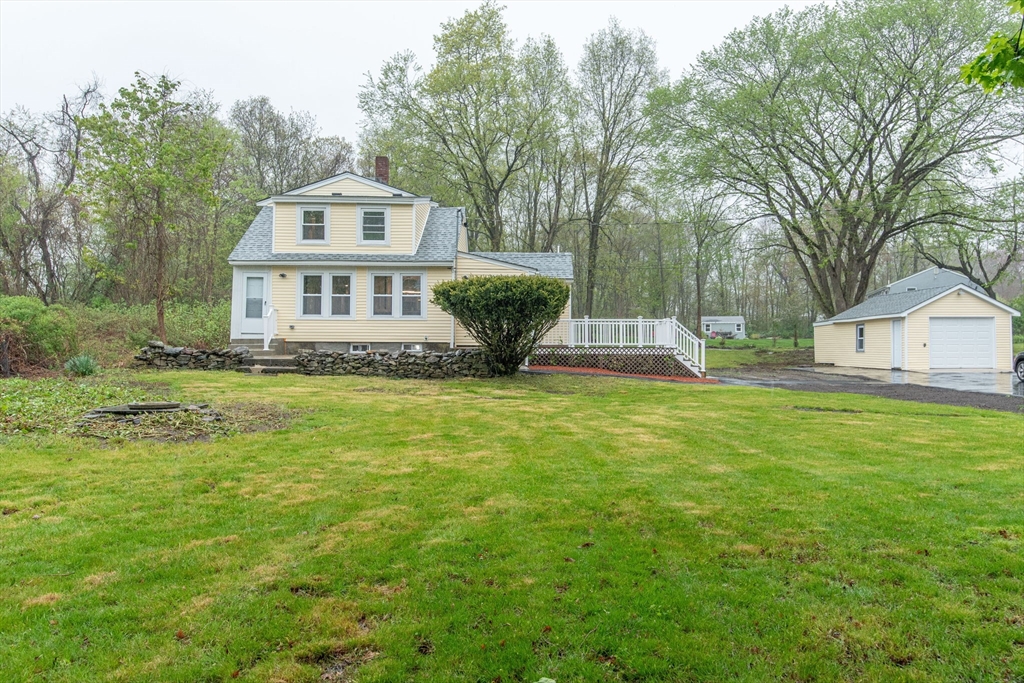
point(238, 300)
point(898, 343)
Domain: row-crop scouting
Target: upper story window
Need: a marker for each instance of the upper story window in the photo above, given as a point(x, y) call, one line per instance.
point(374, 225)
point(396, 295)
point(314, 224)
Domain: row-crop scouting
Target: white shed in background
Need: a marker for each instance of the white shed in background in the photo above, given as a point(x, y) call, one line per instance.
point(729, 326)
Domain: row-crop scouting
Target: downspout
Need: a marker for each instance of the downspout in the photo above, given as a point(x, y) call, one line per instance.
point(455, 262)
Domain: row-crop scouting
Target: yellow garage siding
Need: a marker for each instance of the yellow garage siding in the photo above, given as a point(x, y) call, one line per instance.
point(956, 304)
point(435, 328)
point(559, 334)
point(838, 344)
point(463, 244)
point(347, 186)
point(343, 231)
point(827, 344)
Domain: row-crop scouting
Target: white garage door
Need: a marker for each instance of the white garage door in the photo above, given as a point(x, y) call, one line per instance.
point(962, 342)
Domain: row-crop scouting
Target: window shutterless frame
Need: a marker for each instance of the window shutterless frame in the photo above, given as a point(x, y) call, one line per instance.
point(313, 224)
point(397, 296)
point(329, 295)
point(373, 225)
point(860, 338)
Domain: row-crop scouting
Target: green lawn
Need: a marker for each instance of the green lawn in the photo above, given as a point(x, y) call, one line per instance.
point(582, 529)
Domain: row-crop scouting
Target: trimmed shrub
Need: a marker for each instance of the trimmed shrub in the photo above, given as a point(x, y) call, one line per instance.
point(507, 315)
point(82, 365)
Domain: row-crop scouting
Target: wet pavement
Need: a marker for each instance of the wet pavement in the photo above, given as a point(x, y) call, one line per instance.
point(983, 381)
point(988, 390)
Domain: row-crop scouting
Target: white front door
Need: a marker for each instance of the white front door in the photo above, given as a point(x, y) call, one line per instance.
point(897, 344)
point(962, 342)
point(254, 303)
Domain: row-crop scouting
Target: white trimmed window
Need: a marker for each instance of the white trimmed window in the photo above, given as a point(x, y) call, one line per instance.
point(860, 338)
point(314, 225)
point(397, 295)
point(707, 327)
point(341, 294)
point(326, 295)
point(739, 327)
point(375, 225)
point(412, 347)
point(359, 348)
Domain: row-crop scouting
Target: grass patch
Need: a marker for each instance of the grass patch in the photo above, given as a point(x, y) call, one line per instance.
point(578, 528)
point(56, 406)
point(722, 359)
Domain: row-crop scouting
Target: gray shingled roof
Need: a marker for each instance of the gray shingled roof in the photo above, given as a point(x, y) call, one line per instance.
point(551, 264)
point(440, 236)
point(889, 304)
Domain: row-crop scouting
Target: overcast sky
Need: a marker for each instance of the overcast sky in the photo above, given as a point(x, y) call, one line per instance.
point(309, 56)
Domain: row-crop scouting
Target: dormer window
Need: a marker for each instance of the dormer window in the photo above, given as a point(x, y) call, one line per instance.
point(375, 225)
point(314, 222)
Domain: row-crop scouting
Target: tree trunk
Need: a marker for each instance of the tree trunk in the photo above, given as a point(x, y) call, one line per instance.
point(595, 230)
point(161, 274)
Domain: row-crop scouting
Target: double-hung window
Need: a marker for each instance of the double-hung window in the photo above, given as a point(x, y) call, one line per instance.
point(383, 295)
point(860, 338)
point(312, 294)
point(314, 224)
point(326, 295)
point(341, 295)
point(396, 295)
point(374, 225)
point(739, 327)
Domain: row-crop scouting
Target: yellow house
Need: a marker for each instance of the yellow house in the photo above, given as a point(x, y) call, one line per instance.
point(933, 321)
point(347, 263)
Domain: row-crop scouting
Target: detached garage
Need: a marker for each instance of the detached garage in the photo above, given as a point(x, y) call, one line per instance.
point(955, 327)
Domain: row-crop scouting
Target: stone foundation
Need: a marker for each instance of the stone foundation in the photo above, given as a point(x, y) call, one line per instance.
point(157, 355)
point(404, 364)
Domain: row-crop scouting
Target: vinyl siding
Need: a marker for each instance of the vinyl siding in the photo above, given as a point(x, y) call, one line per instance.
point(342, 231)
point(962, 305)
point(837, 344)
point(436, 327)
point(463, 244)
point(559, 334)
point(420, 213)
point(470, 267)
point(348, 186)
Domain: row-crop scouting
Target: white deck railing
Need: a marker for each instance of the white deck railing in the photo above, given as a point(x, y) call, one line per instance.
point(664, 333)
point(269, 326)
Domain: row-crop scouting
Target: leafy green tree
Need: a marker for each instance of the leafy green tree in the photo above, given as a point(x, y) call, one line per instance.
point(464, 130)
point(1001, 63)
point(846, 125)
point(507, 314)
point(151, 160)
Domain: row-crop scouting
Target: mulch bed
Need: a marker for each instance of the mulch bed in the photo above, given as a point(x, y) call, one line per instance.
point(598, 372)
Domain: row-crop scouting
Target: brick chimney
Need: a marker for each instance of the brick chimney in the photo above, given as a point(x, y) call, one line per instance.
point(382, 170)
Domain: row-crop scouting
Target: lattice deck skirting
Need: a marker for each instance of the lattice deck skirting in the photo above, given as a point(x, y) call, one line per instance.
point(632, 361)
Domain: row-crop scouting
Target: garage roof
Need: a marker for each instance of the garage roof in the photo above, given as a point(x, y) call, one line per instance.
point(898, 305)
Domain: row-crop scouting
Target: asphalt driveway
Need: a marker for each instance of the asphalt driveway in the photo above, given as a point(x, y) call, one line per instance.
point(992, 391)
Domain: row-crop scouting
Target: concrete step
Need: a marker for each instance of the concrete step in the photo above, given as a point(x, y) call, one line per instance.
point(271, 370)
point(270, 360)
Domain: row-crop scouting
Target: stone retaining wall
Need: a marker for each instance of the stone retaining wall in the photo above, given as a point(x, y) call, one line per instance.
point(428, 365)
point(634, 361)
point(157, 355)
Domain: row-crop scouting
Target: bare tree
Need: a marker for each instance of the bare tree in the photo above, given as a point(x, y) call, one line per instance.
point(45, 241)
point(281, 152)
point(617, 72)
